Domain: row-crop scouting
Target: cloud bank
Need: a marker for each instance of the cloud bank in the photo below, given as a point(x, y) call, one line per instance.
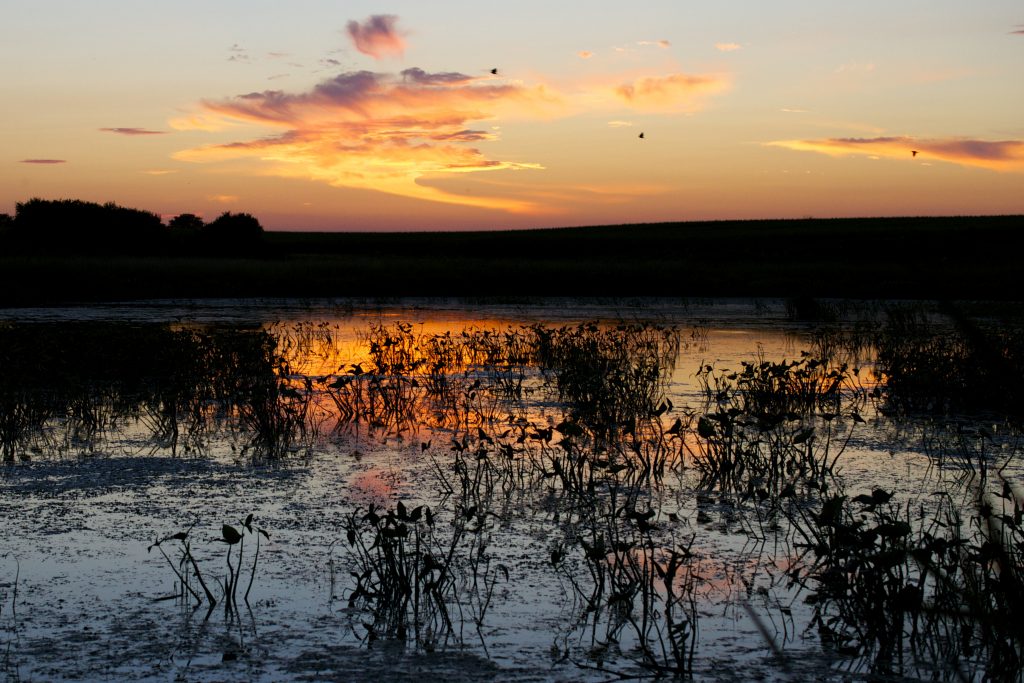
point(996, 155)
point(44, 161)
point(378, 36)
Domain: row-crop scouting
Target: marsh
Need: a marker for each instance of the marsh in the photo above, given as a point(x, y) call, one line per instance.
point(547, 490)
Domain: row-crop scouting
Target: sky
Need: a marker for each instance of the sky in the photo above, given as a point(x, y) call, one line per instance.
point(455, 115)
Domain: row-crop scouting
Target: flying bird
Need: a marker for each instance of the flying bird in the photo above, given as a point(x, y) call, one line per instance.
point(913, 152)
point(641, 136)
point(494, 71)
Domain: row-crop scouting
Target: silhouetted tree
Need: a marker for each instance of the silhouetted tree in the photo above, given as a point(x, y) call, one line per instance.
point(241, 226)
point(186, 222)
point(6, 222)
point(234, 233)
point(74, 225)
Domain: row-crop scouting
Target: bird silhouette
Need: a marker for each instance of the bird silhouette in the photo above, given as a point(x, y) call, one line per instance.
point(641, 136)
point(913, 152)
point(494, 71)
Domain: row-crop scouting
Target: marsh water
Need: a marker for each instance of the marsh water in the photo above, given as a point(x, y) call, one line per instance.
point(552, 490)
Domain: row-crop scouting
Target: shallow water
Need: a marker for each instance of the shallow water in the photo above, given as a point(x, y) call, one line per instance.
point(80, 584)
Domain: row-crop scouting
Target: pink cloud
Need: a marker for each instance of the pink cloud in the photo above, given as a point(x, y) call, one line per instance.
point(378, 36)
point(44, 161)
point(132, 131)
point(997, 155)
point(674, 91)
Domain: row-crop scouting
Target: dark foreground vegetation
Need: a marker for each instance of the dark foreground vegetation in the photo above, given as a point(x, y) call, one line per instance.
point(53, 252)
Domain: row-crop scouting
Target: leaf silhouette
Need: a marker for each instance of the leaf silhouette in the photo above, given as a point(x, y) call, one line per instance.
point(231, 535)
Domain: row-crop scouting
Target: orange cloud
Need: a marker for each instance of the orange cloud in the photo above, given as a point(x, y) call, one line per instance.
point(44, 161)
point(728, 47)
point(375, 131)
point(584, 54)
point(672, 92)
point(377, 36)
point(996, 155)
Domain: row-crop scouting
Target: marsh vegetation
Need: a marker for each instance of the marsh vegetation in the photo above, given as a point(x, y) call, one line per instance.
point(524, 497)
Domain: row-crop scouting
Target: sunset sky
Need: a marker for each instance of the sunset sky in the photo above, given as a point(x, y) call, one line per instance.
point(372, 116)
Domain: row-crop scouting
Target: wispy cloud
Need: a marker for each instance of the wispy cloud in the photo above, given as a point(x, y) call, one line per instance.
point(856, 68)
point(584, 54)
point(619, 124)
point(375, 131)
point(378, 36)
point(1019, 31)
point(133, 131)
point(44, 161)
point(790, 110)
point(238, 54)
point(664, 44)
point(672, 92)
point(159, 171)
point(223, 198)
point(996, 155)
point(728, 47)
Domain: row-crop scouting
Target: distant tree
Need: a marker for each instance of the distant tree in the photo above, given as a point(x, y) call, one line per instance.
point(6, 222)
point(233, 234)
point(71, 224)
point(230, 227)
point(186, 222)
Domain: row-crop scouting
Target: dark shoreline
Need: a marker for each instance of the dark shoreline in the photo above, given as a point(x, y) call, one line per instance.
point(873, 258)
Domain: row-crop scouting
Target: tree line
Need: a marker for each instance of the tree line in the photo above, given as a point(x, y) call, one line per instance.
point(75, 226)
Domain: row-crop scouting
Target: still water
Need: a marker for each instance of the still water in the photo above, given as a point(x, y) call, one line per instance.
point(547, 491)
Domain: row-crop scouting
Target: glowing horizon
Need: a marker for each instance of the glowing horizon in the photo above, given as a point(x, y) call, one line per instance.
point(425, 118)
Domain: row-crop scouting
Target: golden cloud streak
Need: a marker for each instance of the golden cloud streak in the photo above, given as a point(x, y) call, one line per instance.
point(373, 131)
point(995, 155)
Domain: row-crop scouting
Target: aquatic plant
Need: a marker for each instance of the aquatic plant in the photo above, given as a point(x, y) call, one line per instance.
point(774, 426)
point(402, 576)
point(232, 537)
point(186, 569)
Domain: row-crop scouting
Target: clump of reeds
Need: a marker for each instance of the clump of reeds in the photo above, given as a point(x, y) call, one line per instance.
point(940, 369)
point(638, 596)
point(774, 427)
point(935, 588)
point(609, 376)
point(403, 577)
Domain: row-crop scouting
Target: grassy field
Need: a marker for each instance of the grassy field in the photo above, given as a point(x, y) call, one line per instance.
point(912, 258)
